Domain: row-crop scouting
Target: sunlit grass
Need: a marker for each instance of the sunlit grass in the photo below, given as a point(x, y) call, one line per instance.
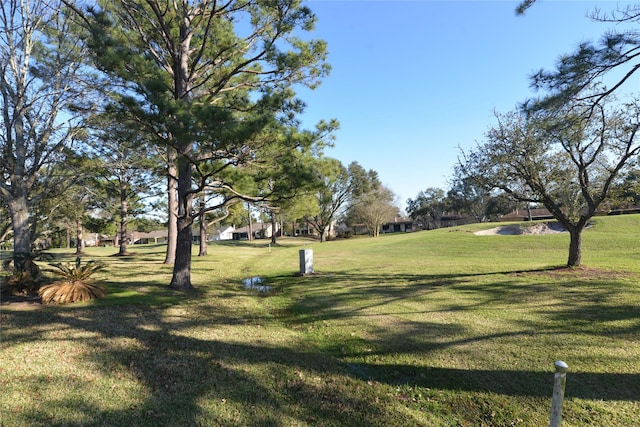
point(438, 328)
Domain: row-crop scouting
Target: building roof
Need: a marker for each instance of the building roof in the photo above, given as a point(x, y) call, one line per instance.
point(523, 215)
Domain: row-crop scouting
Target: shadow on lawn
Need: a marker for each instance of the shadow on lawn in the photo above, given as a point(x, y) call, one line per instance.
point(584, 385)
point(573, 306)
point(584, 302)
point(182, 372)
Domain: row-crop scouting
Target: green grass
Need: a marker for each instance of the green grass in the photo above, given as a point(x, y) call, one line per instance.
point(438, 328)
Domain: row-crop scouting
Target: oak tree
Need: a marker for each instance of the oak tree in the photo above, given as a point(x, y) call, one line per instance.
point(565, 160)
point(428, 207)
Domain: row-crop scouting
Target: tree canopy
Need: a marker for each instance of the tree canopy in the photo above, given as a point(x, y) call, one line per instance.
point(428, 207)
point(563, 159)
point(607, 64)
point(43, 84)
point(206, 78)
point(373, 207)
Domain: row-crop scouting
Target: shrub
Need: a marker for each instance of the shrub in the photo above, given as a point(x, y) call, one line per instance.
point(26, 279)
point(75, 285)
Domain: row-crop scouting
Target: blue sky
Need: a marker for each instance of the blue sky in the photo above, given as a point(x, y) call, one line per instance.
point(412, 81)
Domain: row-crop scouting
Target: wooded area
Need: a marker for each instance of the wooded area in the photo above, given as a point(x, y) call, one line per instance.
point(120, 114)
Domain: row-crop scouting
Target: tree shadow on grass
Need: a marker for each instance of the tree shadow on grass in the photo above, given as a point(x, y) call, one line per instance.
point(584, 385)
point(581, 302)
point(576, 305)
point(194, 366)
point(186, 380)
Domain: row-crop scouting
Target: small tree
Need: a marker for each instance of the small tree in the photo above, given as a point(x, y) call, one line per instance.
point(338, 186)
point(565, 159)
point(75, 284)
point(123, 160)
point(428, 208)
point(331, 197)
point(373, 208)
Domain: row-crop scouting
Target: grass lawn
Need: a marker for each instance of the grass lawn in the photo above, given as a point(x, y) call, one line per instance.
point(437, 328)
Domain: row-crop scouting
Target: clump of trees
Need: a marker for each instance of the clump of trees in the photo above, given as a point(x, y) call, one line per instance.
point(212, 92)
point(103, 101)
point(111, 90)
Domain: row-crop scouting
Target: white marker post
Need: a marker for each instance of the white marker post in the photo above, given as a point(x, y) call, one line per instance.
point(306, 261)
point(559, 381)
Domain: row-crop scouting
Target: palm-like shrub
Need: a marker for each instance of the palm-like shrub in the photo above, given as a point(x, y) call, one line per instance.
point(76, 284)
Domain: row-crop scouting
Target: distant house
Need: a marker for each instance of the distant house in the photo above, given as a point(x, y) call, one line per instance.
point(304, 229)
point(107, 240)
point(260, 230)
point(633, 210)
point(156, 236)
point(524, 215)
point(455, 220)
point(542, 213)
point(241, 233)
point(398, 225)
point(222, 233)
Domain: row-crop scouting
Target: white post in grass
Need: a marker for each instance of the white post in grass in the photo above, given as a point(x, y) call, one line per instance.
point(559, 381)
point(306, 261)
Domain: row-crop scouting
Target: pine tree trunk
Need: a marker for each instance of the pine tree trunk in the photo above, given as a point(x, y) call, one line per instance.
point(273, 229)
point(184, 149)
point(79, 238)
point(172, 200)
point(124, 212)
point(182, 267)
point(203, 229)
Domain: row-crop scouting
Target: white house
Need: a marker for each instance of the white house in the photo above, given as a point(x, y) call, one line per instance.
point(222, 233)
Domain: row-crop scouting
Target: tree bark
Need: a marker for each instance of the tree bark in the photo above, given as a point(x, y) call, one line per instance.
point(182, 267)
point(273, 228)
point(184, 147)
point(19, 211)
point(575, 247)
point(250, 224)
point(203, 229)
point(79, 238)
point(172, 200)
point(124, 212)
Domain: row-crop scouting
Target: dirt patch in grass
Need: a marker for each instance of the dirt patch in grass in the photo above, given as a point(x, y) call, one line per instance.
point(20, 302)
point(582, 272)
